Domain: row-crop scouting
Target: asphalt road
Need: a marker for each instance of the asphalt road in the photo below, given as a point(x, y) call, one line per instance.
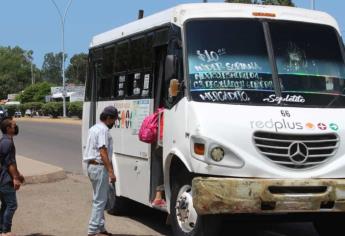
point(53, 143)
point(60, 144)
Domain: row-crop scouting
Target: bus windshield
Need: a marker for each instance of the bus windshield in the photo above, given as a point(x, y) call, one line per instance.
point(228, 62)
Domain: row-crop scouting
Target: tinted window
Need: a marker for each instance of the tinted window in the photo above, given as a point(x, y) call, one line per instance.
point(137, 51)
point(148, 54)
point(88, 84)
point(122, 57)
point(310, 63)
point(108, 60)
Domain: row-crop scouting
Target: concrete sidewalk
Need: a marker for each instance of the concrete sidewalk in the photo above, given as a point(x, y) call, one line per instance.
point(38, 172)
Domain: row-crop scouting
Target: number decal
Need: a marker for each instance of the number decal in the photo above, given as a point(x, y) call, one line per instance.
point(285, 113)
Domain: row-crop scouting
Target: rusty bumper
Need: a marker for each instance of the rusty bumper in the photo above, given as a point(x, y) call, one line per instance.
point(236, 195)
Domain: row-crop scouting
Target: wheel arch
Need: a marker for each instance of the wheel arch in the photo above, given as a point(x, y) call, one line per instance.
point(174, 165)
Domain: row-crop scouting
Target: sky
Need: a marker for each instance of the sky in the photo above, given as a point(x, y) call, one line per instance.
point(35, 24)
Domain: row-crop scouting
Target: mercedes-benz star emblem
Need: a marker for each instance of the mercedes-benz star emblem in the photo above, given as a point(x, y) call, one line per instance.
point(298, 153)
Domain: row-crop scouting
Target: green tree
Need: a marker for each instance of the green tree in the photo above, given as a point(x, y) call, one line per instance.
point(265, 2)
point(51, 68)
point(240, 1)
point(278, 2)
point(15, 70)
point(35, 93)
point(77, 70)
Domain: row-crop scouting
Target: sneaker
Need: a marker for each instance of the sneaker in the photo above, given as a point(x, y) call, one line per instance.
point(107, 233)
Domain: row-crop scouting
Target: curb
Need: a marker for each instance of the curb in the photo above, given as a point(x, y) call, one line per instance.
point(36, 172)
point(47, 178)
point(49, 120)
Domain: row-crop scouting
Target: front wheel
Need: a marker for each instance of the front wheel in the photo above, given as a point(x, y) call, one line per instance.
point(185, 220)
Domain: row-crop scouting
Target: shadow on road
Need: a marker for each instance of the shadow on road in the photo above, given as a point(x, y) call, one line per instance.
point(154, 219)
point(272, 226)
point(39, 235)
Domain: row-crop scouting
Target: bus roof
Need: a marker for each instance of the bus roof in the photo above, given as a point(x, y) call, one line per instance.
point(179, 14)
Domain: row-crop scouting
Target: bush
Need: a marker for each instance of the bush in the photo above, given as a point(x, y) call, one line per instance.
point(75, 109)
point(35, 93)
point(11, 109)
point(53, 109)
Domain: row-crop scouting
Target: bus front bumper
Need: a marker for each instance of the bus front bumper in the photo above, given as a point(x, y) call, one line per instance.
point(242, 195)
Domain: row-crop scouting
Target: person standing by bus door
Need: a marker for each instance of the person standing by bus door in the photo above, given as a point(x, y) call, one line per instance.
point(10, 178)
point(98, 153)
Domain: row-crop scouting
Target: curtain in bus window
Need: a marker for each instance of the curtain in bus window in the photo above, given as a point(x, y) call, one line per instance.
point(310, 63)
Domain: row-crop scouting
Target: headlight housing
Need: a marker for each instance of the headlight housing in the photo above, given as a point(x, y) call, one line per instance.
point(217, 154)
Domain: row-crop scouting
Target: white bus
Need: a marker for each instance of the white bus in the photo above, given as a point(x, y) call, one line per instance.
point(254, 112)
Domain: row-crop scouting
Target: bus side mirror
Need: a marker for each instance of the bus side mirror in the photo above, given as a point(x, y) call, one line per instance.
point(174, 88)
point(170, 67)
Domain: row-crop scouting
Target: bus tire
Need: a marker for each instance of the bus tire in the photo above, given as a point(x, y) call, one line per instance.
point(183, 220)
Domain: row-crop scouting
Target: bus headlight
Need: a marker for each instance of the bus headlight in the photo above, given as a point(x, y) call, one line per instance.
point(217, 154)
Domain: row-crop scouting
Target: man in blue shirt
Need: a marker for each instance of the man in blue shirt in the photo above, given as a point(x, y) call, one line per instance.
point(97, 156)
point(10, 178)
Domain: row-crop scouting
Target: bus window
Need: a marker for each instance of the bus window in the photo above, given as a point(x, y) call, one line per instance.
point(137, 51)
point(122, 57)
point(129, 85)
point(106, 79)
point(108, 62)
point(161, 38)
point(88, 83)
point(148, 52)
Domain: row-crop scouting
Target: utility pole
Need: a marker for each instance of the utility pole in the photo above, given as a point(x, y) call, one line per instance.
point(205, 1)
point(32, 73)
point(63, 20)
point(29, 58)
point(313, 4)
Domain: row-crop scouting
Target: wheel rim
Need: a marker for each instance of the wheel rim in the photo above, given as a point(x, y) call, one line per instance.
point(186, 215)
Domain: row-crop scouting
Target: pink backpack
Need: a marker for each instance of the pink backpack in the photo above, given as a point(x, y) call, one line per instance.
point(148, 132)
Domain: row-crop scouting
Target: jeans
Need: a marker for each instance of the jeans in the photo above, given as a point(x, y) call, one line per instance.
point(100, 183)
point(8, 207)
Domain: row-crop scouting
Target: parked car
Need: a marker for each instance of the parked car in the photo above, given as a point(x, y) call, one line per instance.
point(3, 113)
point(28, 113)
point(18, 114)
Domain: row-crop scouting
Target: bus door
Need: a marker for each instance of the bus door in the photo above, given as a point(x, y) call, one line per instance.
point(157, 179)
point(90, 104)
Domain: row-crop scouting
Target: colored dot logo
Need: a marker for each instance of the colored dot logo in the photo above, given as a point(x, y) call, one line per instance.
point(310, 125)
point(334, 127)
point(322, 126)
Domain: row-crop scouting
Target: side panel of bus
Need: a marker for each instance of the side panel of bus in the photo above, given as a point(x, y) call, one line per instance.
point(131, 157)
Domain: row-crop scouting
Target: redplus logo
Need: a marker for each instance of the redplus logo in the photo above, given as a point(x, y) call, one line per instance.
point(322, 126)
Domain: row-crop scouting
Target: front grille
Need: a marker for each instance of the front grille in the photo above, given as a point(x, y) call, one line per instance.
point(295, 150)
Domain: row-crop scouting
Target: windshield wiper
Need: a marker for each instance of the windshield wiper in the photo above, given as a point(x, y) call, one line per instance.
point(335, 99)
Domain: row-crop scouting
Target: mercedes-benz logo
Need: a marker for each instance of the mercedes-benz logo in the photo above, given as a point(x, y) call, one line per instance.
point(298, 153)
